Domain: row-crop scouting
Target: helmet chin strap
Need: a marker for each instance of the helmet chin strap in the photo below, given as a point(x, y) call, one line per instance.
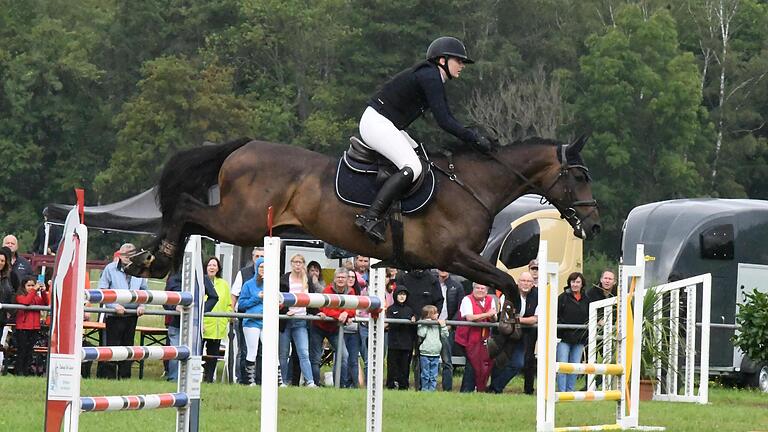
point(444, 67)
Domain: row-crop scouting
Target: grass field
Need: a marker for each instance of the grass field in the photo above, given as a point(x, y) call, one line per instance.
point(234, 408)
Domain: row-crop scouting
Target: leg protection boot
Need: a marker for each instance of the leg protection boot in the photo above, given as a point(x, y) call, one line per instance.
point(250, 373)
point(370, 220)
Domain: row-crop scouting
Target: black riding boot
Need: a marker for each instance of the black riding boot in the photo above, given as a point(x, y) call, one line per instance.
point(370, 221)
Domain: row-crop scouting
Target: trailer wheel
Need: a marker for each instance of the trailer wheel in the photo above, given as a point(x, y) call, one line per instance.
point(759, 379)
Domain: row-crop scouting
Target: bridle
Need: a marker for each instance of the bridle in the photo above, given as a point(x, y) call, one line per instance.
point(567, 213)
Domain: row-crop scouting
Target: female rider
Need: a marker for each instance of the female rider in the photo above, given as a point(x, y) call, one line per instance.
point(401, 100)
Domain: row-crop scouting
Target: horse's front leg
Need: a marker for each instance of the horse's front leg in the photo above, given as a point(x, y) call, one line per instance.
point(477, 269)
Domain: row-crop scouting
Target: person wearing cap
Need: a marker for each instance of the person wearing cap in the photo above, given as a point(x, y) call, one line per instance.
point(533, 269)
point(120, 327)
point(400, 101)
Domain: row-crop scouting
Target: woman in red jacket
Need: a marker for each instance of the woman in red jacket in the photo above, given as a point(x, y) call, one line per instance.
point(28, 322)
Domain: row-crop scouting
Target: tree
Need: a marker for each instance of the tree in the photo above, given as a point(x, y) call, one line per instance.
point(640, 96)
point(53, 130)
point(179, 105)
point(521, 109)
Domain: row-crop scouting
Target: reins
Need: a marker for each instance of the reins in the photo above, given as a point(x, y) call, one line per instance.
point(569, 214)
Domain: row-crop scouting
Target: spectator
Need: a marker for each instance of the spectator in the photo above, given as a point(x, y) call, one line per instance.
point(295, 331)
point(9, 285)
point(390, 285)
point(251, 300)
point(401, 338)
point(54, 237)
point(515, 351)
point(572, 308)
point(362, 270)
point(533, 269)
point(453, 293)
point(350, 368)
point(215, 329)
point(430, 346)
point(21, 266)
point(244, 274)
point(120, 328)
point(322, 330)
point(27, 329)
point(476, 307)
point(315, 274)
point(606, 288)
point(424, 289)
point(530, 335)
point(173, 323)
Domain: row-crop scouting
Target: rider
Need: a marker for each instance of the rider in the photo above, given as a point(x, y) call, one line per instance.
point(401, 100)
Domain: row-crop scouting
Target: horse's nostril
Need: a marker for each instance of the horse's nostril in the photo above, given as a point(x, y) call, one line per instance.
point(596, 229)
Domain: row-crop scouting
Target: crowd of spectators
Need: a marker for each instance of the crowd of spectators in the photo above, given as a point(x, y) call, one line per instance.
point(418, 354)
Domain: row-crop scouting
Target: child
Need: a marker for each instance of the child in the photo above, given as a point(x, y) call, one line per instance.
point(430, 347)
point(401, 338)
point(28, 322)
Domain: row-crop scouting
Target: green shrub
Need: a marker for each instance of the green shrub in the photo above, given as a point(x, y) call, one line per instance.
point(752, 319)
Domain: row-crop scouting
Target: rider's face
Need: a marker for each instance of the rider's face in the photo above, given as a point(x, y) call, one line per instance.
point(455, 66)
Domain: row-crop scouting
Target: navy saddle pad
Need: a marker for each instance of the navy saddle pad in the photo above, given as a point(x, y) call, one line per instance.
point(356, 185)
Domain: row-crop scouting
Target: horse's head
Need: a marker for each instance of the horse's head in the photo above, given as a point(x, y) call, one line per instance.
point(570, 190)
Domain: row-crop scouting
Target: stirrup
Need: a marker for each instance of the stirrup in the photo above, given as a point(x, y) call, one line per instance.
point(374, 227)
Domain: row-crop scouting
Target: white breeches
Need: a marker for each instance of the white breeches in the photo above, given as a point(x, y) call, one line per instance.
point(381, 135)
point(252, 336)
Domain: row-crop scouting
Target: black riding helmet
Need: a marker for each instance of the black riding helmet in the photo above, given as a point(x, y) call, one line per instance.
point(447, 46)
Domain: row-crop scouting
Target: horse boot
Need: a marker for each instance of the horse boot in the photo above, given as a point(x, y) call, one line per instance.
point(250, 373)
point(370, 221)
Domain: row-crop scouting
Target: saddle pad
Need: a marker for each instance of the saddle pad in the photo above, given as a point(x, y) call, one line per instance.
point(357, 186)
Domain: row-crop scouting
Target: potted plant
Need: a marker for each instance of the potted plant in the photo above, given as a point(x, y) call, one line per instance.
point(657, 342)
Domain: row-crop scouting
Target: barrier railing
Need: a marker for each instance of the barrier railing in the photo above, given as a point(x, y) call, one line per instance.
point(63, 401)
point(627, 364)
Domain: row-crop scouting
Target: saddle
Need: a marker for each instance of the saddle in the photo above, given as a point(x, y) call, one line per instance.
point(361, 171)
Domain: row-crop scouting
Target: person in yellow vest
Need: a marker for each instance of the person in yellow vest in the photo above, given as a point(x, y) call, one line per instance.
point(215, 329)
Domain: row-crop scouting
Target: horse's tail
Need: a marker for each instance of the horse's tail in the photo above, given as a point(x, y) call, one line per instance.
point(192, 171)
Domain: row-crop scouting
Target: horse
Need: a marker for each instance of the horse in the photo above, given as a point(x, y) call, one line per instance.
point(298, 184)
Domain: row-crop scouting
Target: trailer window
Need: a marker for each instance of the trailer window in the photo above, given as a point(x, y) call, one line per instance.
point(717, 242)
point(521, 245)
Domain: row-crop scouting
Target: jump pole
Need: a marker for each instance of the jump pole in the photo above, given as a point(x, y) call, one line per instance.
point(269, 336)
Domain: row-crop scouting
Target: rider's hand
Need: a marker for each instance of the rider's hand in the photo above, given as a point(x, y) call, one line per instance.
point(483, 144)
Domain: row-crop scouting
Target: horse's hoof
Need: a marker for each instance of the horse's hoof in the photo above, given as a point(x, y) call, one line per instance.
point(139, 264)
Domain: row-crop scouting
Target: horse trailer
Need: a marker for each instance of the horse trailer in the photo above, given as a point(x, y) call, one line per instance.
point(725, 237)
point(521, 226)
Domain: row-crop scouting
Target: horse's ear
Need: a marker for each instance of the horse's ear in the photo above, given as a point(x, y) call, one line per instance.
point(576, 147)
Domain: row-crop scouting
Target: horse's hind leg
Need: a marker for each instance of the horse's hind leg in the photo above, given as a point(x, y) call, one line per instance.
point(227, 223)
point(191, 217)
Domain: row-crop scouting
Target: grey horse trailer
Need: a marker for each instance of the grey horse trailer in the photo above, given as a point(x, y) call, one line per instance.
point(725, 237)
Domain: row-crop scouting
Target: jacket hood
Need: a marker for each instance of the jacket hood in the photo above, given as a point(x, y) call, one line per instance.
point(398, 290)
point(256, 265)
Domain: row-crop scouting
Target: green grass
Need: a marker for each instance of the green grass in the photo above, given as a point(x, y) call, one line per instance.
point(234, 408)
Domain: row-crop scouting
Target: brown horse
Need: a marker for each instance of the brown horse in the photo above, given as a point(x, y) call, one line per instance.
point(299, 185)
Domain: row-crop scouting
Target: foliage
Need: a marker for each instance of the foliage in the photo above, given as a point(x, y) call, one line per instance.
point(639, 95)
point(752, 320)
point(179, 105)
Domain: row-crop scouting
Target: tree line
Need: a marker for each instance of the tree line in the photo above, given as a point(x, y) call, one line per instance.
point(99, 93)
